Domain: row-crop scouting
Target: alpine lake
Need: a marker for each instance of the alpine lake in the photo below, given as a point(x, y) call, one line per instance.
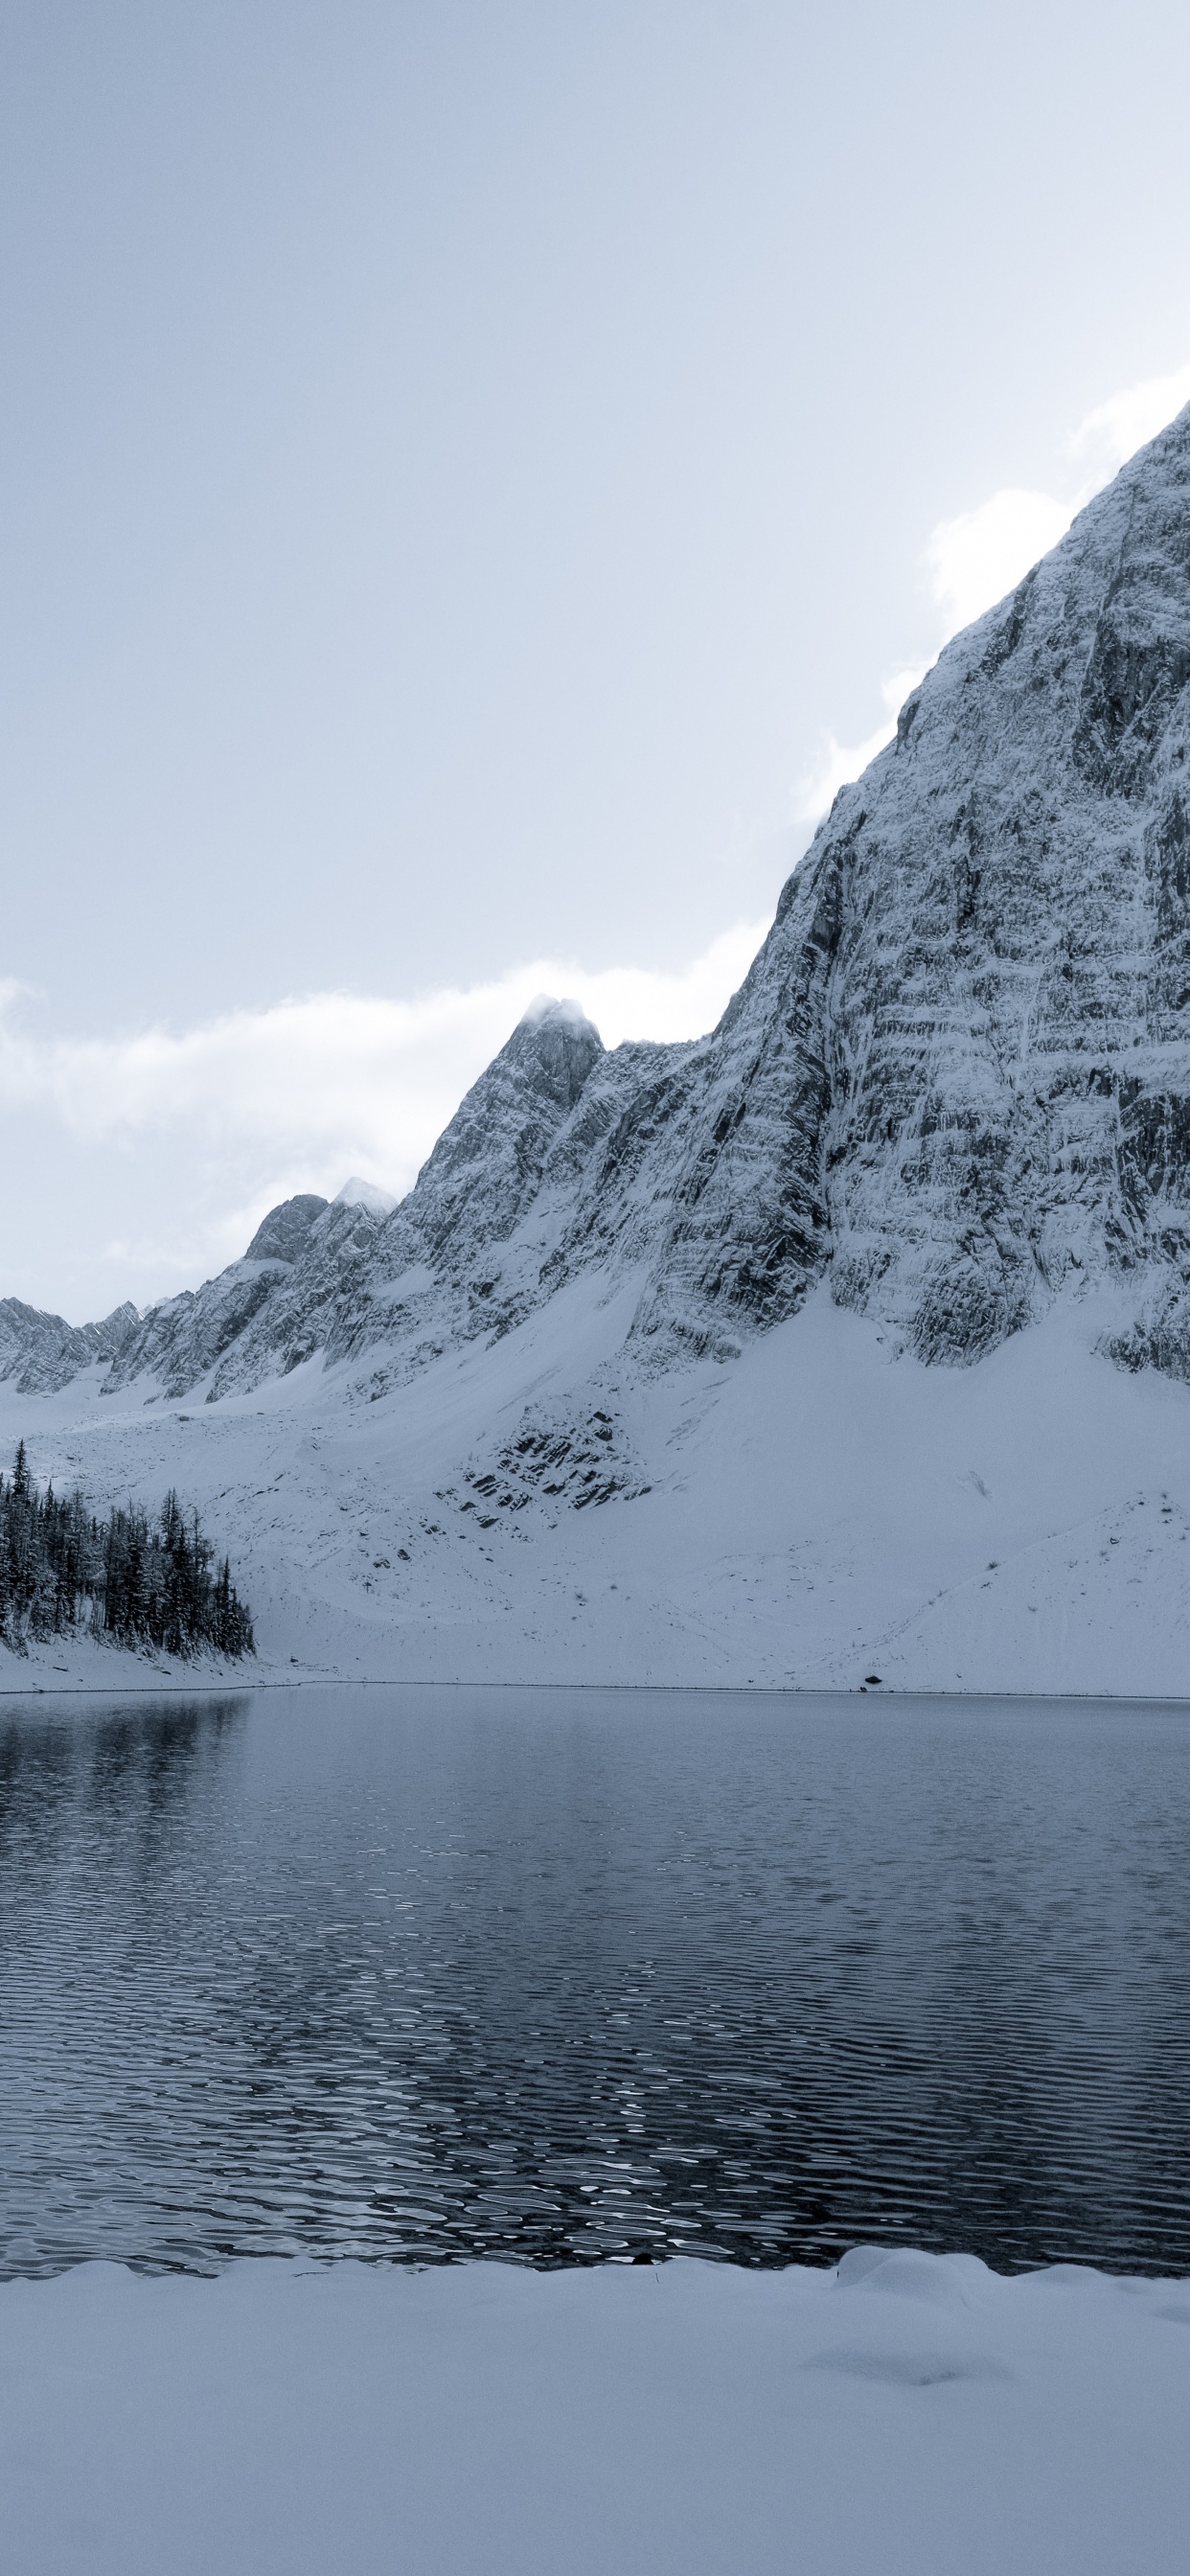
point(570, 1976)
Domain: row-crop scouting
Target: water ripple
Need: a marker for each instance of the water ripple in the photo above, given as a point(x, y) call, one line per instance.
point(567, 1977)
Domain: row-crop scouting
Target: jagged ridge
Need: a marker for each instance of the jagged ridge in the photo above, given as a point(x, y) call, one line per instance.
point(958, 1072)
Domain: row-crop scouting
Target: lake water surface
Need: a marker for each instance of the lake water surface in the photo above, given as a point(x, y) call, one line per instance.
point(566, 1976)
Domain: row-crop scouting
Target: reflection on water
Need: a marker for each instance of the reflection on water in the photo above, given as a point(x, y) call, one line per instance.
point(563, 1976)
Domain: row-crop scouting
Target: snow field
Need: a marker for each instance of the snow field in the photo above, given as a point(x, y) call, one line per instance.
point(909, 2415)
point(816, 1510)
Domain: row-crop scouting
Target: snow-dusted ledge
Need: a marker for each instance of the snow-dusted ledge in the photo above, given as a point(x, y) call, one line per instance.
point(908, 2414)
point(80, 1662)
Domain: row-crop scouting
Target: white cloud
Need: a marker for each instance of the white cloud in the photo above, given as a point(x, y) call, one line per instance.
point(975, 559)
point(972, 561)
point(1111, 434)
point(237, 1113)
point(840, 762)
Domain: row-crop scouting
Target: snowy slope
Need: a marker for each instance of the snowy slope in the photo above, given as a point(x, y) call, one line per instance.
point(813, 1512)
point(854, 1335)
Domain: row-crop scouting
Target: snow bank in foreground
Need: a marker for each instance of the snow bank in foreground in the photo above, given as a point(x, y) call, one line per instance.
point(909, 2413)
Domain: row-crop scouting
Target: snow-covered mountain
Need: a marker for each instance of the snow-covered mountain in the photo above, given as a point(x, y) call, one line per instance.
point(952, 1097)
point(40, 1352)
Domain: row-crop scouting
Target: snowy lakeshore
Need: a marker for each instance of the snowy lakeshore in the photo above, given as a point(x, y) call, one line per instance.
point(906, 2413)
point(575, 1982)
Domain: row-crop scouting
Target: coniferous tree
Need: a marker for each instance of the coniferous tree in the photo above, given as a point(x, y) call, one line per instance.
point(138, 1582)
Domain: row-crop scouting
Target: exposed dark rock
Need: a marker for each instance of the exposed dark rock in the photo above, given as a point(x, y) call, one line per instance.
point(577, 1463)
point(282, 1234)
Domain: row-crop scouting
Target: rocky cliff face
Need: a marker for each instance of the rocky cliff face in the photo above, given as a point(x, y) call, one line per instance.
point(41, 1352)
point(1009, 1067)
point(958, 1073)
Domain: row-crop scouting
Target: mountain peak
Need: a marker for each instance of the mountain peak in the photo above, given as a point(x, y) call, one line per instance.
point(364, 1194)
point(544, 1011)
point(281, 1235)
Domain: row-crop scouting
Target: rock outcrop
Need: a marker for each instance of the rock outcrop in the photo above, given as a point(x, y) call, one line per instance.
point(41, 1352)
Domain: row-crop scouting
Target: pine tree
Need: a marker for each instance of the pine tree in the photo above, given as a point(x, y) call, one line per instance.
point(139, 1583)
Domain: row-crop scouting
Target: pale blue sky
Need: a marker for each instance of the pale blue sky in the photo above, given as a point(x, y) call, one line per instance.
point(459, 463)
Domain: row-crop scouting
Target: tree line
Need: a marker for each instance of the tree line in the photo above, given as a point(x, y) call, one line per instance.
point(138, 1581)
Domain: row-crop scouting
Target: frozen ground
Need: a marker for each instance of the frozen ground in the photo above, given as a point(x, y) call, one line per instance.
point(815, 1510)
point(922, 2418)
